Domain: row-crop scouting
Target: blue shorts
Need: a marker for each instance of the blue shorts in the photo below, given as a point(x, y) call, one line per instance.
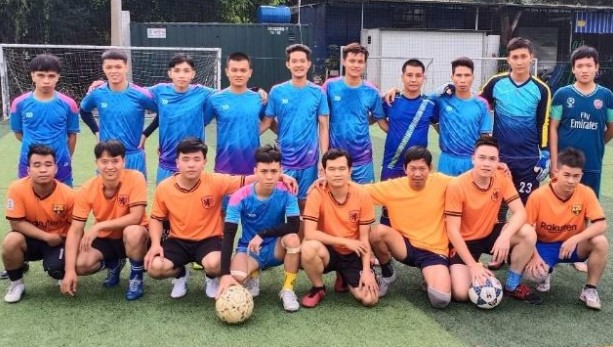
point(266, 258)
point(592, 180)
point(136, 161)
point(163, 174)
point(387, 173)
point(524, 177)
point(363, 174)
point(550, 252)
point(305, 178)
point(453, 165)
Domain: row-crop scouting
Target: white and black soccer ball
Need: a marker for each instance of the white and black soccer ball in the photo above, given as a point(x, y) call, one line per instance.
point(234, 305)
point(487, 296)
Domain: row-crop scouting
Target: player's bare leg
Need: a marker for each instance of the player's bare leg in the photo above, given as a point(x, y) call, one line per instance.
point(314, 258)
point(288, 249)
point(597, 251)
point(439, 285)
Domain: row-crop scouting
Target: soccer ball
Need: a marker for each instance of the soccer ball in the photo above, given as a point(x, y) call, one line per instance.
point(234, 305)
point(487, 296)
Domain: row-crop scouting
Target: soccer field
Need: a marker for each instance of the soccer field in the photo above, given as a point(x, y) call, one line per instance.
point(102, 317)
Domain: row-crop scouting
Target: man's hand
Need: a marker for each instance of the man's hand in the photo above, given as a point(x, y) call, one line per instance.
point(154, 251)
point(505, 169)
point(445, 89)
point(536, 268)
point(94, 85)
point(255, 244)
point(225, 282)
point(87, 239)
point(391, 95)
point(356, 246)
point(500, 251)
point(543, 165)
point(368, 282)
point(290, 183)
point(568, 247)
point(263, 95)
point(141, 144)
point(69, 284)
point(479, 274)
point(53, 240)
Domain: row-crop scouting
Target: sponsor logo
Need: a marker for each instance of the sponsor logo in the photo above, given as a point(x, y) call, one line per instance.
point(553, 228)
point(285, 101)
point(29, 114)
point(207, 201)
point(225, 107)
point(104, 105)
point(164, 101)
point(448, 108)
point(337, 98)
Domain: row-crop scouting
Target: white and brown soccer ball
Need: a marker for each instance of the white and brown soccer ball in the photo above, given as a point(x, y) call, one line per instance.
point(234, 305)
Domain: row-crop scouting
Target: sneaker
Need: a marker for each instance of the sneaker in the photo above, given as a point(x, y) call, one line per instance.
point(524, 293)
point(197, 266)
point(16, 290)
point(4, 275)
point(136, 289)
point(112, 275)
point(313, 297)
point(385, 283)
point(211, 286)
point(339, 284)
point(545, 285)
point(588, 295)
point(179, 286)
point(289, 299)
point(253, 286)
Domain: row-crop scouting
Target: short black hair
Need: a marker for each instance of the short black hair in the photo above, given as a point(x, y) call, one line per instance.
point(114, 54)
point(46, 63)
point(584, 52)
point(298, 47)
point(267, 154)
point(238, 56)
point(415, 63)
point(417, 153)
point(335, 153)
point(571, 157)
point(355, 48)
point(487, 140)
point(181, 58)
point(39, 149)
point(462, 61)
point(519, 43)
point(113, 148)
point(191, 145)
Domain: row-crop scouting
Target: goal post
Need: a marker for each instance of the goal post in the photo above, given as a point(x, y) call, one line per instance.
point(81, 65)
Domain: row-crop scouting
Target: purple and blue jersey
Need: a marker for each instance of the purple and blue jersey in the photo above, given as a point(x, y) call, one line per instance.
point(297, 110)
point(238, 129)
point(350, 109)
point(45, 122)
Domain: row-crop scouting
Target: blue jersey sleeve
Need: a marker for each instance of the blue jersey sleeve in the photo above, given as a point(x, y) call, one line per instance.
point(147, 100)
point(271, 109)
point(233, 211)
point(487, 122)
point(209, 112)
point(609, 106)
point(72, 120)
point(323, 109)
point(291, 206)
point(15, 117)
point(89, 101)
point(376, 107)
point(435, 111)
point(557, 104)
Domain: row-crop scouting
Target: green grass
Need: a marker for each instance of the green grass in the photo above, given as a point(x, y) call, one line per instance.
point(102, 317)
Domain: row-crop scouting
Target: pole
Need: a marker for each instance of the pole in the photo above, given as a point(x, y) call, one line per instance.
point(116, 22)
point(4, 81)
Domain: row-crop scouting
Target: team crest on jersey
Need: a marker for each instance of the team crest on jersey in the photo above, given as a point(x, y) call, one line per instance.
point(354, 216)
point(104, 105)
point(495, 195)
point(207, 201)
point(576, 209)
point(123, 200)
point(225, 107)
point(59, 209)
point(29, 114)
point(598, 104)
point(570, 102)
point(10, 204)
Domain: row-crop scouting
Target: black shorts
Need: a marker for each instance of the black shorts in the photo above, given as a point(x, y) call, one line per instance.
point(478, 247)
point(422, 258)
point(348, 265)
point(524, 177)
point(52, 257)
point(110, 248)
point(181, 252)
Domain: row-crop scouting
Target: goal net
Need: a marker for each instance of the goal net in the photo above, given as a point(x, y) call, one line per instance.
point(81, 65)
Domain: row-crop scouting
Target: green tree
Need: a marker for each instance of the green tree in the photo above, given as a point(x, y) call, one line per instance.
point(243, 11)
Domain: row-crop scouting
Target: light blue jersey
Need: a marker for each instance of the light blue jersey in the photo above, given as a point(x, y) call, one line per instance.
point(256, 215)
point(297, 110)
point(238, 129)
point(49, 123)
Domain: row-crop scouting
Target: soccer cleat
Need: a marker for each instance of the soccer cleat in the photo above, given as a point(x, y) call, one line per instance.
point(179, 286)
point(313, 297)
point(339, 284)
point(113, 273)
point(197, 266)
point(15, 292)
point(136, 289)
point(524, 293)
point(289, 299)
point(253, 286)
point(211, 286)
point(385, 283)
point(545, 285)
point(588, 295)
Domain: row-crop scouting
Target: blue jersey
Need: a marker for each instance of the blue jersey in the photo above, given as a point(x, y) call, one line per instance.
point(256, 215)
point(45, 122)
point(180, 115)
point(350, 108)
point(462, 121)
point(583, 120)
point(297, 110)
point(238, 129)
point(520, 115)
point(121, 113)
point(409, 121)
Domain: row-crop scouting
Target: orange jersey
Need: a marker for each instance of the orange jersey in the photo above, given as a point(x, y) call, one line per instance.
point(132, 191)
point(52, 213)
point(557, 220)
point(194, 214)
point(417, 215)
point(478, 207)
point(340, 219)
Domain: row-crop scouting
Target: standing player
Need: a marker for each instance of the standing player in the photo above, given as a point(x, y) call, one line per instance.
point(352, 102)
point(121, 107)
point(39, 210)
point(417, 236)
point(559, 213)
point(267, 239)
point(47, 117)
point(301, 110)
point(337, 221)
point(471, 214)
point(117, 198)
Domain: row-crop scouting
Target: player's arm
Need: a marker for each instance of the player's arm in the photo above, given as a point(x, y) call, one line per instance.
point(312, 233)
point(73, 239)
point(478, 273)
point(595, 228)
point(542, 116)
point(29, 230)
point(608, 135)
point(134, 217)
point(156, 229)
point(18, 136)
point(502, 247)
point(291, 226)
point(155, 123)
point(227, 280)
point(88, 119)
point(72, 142)
point(553, 144)
point(383, 124)
point(266, 124)
point(324, 133)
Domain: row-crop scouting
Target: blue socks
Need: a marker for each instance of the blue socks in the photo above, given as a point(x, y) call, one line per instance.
point(137, 269)
point(513, 280)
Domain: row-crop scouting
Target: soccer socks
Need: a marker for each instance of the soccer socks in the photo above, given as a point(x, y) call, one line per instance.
point(137, 268)
point(181, 272)
point(290, 280)
point(513, 280)
point(109, 264)
point(387, 270)
point(15, 275)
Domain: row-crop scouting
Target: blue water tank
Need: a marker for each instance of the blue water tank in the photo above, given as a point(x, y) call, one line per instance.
point(274, 14)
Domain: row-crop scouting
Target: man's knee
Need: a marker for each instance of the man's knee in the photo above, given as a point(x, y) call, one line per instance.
point(377, 233)
point(438, 299)
point(13, 241)
point(291, 242)
point(600, 243)
point(134, 236)
point(309, 250)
